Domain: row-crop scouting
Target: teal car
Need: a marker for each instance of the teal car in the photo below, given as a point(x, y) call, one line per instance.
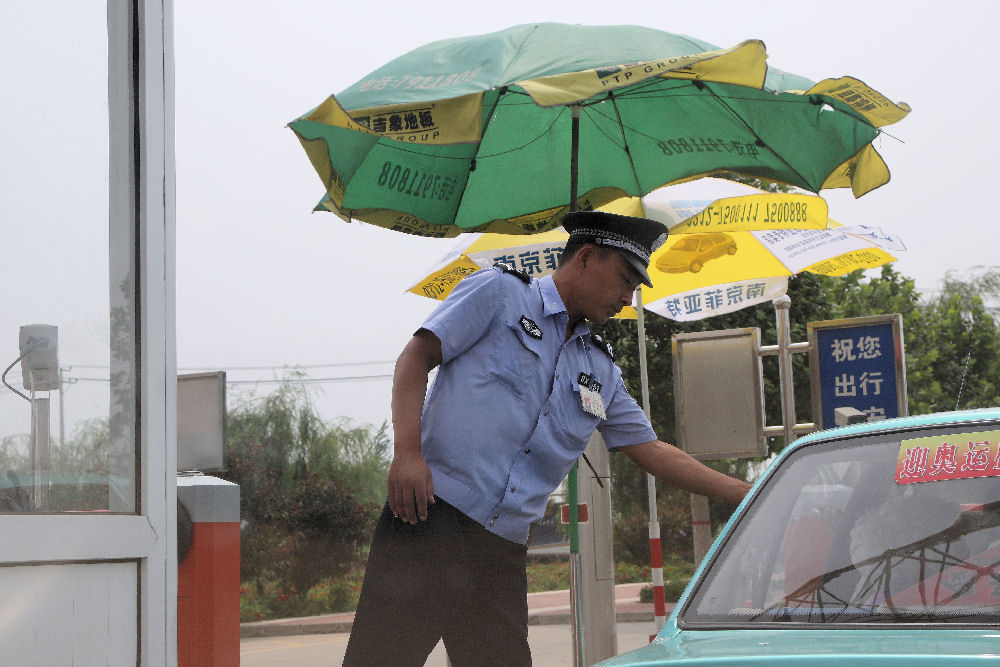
point(871, 544)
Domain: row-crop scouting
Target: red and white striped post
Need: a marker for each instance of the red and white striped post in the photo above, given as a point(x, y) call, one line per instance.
point(655, 547)
point(656, 561)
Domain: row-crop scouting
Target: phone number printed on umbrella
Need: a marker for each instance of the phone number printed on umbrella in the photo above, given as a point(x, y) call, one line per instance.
point(707, 145)
point(733, 214)
point(414, 182)
point(412, 81)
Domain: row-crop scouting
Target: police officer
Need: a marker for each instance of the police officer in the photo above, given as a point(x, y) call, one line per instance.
point(521, 386)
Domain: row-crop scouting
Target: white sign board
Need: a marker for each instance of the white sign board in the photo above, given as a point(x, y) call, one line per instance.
point(201, 421)
point(718, 394)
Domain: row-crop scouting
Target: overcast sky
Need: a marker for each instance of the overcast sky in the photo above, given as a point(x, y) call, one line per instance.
point(262, 282)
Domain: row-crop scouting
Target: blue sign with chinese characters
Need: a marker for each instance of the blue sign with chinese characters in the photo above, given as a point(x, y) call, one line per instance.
point(858, 365)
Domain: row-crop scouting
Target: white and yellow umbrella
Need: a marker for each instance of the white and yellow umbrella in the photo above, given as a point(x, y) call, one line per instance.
point(731, 246)
point(727, 254)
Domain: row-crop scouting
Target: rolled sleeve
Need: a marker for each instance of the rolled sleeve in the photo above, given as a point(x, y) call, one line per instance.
point(626, 423)
point(466, 313)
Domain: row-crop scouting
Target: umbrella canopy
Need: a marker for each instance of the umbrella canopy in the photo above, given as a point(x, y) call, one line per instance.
point(720, 258)
point(742, 243)
point(483, 133)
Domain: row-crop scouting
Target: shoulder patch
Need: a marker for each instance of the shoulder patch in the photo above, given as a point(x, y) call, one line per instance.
point(507, 268)
point(602, 344)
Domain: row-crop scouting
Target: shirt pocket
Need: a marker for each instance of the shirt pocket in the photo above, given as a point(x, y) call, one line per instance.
point(579, 412)
point(576, 424)
point(516, 359)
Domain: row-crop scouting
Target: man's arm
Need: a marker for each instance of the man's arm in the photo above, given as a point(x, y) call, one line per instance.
point(410, 487)
point(679, 469)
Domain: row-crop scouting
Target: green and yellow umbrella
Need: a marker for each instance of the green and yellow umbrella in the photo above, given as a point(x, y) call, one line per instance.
point(505, 132)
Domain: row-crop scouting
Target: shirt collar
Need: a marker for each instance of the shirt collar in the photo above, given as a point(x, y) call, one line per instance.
point(552, 304)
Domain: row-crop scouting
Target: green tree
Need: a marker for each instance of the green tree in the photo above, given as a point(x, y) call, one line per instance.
point(310, 490)
point(957, 363)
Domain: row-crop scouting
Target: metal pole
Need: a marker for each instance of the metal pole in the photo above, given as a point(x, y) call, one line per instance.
point(701, 526)
point(781, 307)
point(40, 453)
point(643, 370)
point(62, 415)
point(655, 546)
point(575, 603)
point(574, 516)
point(597, 575)
point(574, 156)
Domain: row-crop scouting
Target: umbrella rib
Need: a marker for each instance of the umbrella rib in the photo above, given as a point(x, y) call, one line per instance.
point(486, 126)
point(760, 142)
point(701, 87)
point(517, 53)
point(591, 107)
point(475, 156)
point(533, 140)
point(625, 146)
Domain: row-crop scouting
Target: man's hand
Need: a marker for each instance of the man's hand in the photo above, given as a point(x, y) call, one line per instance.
point(410, 487)
point(678, 468)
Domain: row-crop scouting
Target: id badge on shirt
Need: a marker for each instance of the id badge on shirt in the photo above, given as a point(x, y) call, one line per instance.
point(590, 397)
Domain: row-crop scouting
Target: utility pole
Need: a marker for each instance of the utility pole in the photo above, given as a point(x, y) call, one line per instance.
point(62, 406)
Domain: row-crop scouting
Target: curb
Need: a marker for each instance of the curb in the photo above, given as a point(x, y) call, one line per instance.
point(289, 627)
point(566, 619)
point(280, 629)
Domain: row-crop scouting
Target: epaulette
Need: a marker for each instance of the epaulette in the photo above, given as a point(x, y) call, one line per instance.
point(602, 344)
point(507, 268)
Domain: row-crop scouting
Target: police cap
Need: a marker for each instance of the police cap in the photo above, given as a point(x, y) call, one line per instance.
point(634, 238)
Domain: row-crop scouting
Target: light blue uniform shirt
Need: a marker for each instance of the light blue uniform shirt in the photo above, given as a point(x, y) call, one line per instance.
point(503, 422)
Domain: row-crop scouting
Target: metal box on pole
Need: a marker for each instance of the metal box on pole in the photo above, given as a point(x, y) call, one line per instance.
point(718, 394)
point(597, 571)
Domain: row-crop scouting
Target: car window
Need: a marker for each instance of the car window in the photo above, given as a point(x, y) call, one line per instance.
point(839, 534)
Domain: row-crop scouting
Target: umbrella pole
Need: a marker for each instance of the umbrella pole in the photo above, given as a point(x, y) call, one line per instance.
point(655, 548)
point(574, 156)
point(575, 565)
point(782, 321)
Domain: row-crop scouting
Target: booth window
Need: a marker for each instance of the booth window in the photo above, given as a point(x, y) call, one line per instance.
point(68, 320)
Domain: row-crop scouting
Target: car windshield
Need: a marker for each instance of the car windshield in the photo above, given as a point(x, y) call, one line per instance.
point(884, 529)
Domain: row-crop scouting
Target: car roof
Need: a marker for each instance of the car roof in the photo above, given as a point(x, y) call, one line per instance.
point(902, 423)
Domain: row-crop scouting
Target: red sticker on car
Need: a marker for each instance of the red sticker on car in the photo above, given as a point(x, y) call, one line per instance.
point(954, 456)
